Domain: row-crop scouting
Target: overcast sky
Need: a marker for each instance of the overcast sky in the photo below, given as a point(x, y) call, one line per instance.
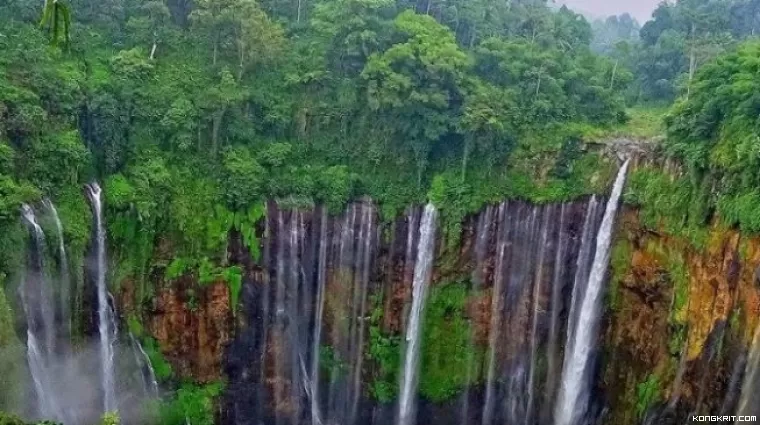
point(639, 9)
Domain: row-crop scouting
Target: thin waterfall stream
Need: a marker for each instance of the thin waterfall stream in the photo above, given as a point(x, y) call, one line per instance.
point(574, 391)
point(422, 273)
point(106, 317)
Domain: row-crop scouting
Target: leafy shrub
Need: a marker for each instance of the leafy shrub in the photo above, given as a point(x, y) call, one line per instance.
point(243, 178)
point(192, 403)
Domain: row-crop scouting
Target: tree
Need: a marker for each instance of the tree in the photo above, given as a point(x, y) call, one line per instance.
point(418, 80)
point(486, 121)
point(239, 26)
point(218, 100)
point(152, 25)
point(213, 21)
point(259, 39)
point(354, 29)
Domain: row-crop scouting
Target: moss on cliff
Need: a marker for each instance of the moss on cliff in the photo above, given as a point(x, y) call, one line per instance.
point(447, 350)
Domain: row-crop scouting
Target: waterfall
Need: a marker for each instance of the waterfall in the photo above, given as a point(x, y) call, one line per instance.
point(494, 328)
point(106, 317)
point(482, 236)
point(574, 390)
point(555, 305)
point(422, 274)
point(147, 373)
point(316, 417)
point(537, 291)
point(38, 307)
point(749, 400)
point(64, 300)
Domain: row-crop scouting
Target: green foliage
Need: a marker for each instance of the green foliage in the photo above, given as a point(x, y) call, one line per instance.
point(620, 262)
point(647, 393)
point(161, 366)
point(668, 203)
point(8, 419)
point(192, 403)
point(331, 364)
point(679, 276)
point(447, 349)
point(244, 181)
point(11, 357)
point(246, 225)
point(385, 351)
point(111, 418)
point(208, 274)
point(714, 133)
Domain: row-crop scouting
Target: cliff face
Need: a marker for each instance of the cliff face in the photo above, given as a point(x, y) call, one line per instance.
point(319, 331)
point(680, 324)
point(192, 323)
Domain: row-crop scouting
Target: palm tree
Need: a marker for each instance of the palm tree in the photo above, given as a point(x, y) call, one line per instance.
point(56, 17)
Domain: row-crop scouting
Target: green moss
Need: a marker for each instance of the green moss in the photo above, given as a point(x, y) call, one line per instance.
point(447, 350)
point(647, 393)
point(620, 262)
point(161, 366)
point(331, 364)
point(385, 352)
point(192, 403)
point(671, 204)
point(11, 357)
point(679, 276)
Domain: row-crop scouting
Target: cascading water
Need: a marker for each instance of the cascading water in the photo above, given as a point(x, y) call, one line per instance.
point(494, 328)
point(355, 235)
point(422, 273)
point(63, 313)
point(106, 318)
point(319, 274)
point(482, 237)
point(749, 401)
point(65, 388)
point(147, 373)
point(528, 263)
point(38, 306)
point(574, 390)
point(316, 415)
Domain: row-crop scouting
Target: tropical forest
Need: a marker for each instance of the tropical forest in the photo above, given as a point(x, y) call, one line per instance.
point(379, 212)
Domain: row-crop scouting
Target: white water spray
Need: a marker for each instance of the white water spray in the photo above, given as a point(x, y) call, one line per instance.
point(316, 417)
point(574, 390)
point(749, 401)
point(65, 282)
point(106, 319)
point(422, 274)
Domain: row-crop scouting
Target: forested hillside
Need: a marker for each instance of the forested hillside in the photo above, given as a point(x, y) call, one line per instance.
point(192, 114)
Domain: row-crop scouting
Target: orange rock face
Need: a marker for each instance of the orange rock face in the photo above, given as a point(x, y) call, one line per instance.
point(648, 333)
point(193, 333)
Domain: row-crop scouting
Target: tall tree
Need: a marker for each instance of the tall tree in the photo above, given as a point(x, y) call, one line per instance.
point(418, 81)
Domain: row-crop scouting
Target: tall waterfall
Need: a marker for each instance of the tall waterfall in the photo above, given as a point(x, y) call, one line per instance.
point(316, 415)
point(749, 401)
point(422, 273)
point(574, 390)
point(38, 306)
point(339, 294)
point(63, 312)
point(106, 318)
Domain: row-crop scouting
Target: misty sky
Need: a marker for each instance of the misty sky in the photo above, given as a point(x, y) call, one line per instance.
point(639, 9)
